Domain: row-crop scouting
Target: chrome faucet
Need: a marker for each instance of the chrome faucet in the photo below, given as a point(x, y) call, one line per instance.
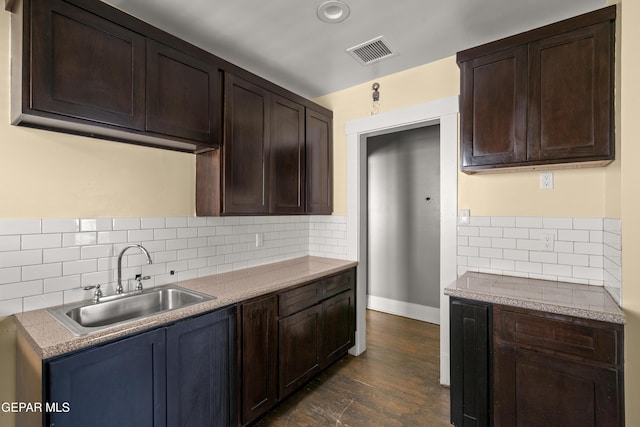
point(119, 288)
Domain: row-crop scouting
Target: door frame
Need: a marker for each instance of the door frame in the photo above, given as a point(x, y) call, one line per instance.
point(445, 113)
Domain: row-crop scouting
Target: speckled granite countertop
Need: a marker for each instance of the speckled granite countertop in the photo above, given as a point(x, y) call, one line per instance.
point(589, 302)
point(49, 338)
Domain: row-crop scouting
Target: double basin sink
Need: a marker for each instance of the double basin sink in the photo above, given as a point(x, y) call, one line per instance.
point(85, 317)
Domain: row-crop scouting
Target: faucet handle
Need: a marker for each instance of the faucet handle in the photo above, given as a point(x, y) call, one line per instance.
point(97, 294)
point(139, 279)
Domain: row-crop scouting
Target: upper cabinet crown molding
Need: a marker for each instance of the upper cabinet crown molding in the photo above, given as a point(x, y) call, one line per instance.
point(540, 99)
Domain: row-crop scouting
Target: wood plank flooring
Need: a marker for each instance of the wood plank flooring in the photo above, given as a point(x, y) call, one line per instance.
point(394, 383)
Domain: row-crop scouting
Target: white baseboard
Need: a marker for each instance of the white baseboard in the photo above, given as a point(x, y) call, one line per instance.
point(404, 309)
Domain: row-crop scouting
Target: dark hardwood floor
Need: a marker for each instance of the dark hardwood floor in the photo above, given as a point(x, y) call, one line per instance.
point(394, 383)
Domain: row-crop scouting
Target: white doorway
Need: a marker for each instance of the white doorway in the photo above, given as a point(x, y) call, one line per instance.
point(445, 113)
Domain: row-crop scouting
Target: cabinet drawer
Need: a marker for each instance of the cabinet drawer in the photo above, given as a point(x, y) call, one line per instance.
point(561, 335)
point(299, 298)
point(338, 283)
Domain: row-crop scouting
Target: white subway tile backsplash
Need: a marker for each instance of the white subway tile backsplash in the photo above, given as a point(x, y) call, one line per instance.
point(61, 254)
point(573, 259)
point(9, 243)
point(137, 236)
point(528, 267)
point(585, 250)
point(42, 271)
point(555, 223)
point(515, 254)
point(110, 237)
point(176, 222)
point(36, 302)
point(20, 258)
point(528, 222)
point(480, 221)
point(96, 224)
point(79, 239)
point(41, 241)
point(60, 225)
point(503, 221)
point(9, 275)
point(20, 226)
point(588, 248)
point(62, 283)
point(11, 306)
point(49, 261)
point(186, 233)
point(21, 289)
point(99, 251)
point(588, 223)
point(79, 267)
point(151, 223)
point(574, 235)
point(544, 257)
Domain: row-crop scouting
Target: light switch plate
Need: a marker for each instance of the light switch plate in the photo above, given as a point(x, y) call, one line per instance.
point(464, 217)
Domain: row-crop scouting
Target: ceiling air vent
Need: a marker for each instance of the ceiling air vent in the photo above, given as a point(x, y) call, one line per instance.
point(372, 51)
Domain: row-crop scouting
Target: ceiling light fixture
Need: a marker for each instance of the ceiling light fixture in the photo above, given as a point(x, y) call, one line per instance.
point(333, 11)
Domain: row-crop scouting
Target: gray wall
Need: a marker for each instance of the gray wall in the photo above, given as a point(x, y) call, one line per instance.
point(403, 227)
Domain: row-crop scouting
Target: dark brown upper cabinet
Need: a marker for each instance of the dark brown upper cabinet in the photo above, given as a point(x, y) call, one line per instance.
point(287, 156)
point(183, 95)
point(319, 161)
point(540, 99)
point(245, 151)
point(275, 158)
point(81, 66)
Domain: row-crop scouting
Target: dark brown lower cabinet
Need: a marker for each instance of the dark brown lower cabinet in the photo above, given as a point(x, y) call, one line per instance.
point(556, 370)
point(338, 314)
point(259, 357)
point(470, 363)
point(518, 367)
point(300, 346)
point(289, 337)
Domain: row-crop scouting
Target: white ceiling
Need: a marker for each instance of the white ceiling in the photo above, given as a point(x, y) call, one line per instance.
point(284, 41)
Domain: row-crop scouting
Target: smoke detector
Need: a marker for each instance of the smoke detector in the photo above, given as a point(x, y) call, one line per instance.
point(372, 51)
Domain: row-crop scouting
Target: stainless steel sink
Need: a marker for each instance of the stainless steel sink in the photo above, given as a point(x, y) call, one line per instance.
point(85, 317)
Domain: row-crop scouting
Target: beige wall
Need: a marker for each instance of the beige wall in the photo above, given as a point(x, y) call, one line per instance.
point(47, 174)
point(629, 132)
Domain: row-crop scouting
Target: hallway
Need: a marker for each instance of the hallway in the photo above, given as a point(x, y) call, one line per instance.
point(394, 383)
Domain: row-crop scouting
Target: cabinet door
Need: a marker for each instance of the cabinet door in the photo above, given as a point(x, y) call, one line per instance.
point(86, 67)
point(533, 388)
point(319, 161)
point(183, 98)
point(494, 108)
point(470, 325)
point(201, 370)
point(571, 103)
point(246, 147)
point(259, 357)
point(338, 316)
point(287, 150)
point(300, 347)
point(117, 384)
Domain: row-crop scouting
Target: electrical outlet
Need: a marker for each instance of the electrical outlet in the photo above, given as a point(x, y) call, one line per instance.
point(546, 180)
point(547, 241)
point(259, 240)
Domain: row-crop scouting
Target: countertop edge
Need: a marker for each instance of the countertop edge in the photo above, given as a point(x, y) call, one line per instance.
point(73, 343)
point(555, 308)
